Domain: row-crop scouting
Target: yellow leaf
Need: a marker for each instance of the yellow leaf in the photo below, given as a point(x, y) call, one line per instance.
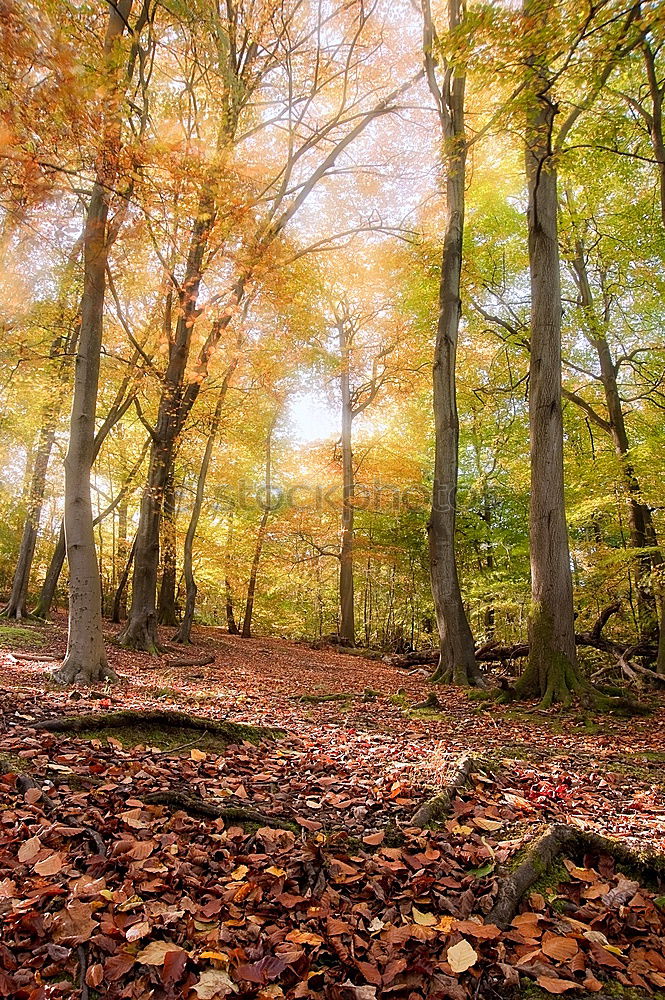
point(197, 754)
point(239, 873)
point(215, 956)
point(461, 956)
point(277, 872)
point(425, 919)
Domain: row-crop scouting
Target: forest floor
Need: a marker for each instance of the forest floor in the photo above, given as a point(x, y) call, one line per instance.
point(106, 894)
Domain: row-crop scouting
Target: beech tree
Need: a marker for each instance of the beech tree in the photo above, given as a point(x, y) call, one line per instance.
point(85, 659)
point(457, 663)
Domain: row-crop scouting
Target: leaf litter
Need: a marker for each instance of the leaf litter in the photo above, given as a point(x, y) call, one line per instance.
point(100, 887)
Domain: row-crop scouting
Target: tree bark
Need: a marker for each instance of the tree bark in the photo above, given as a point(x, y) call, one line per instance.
point(231, 623)
point(185, 629)
point(119, 611)
point(166, 604)
point(457, 662)
point(85, 660)
point(176, 401)
point(347, 628)
point(260, 538)
point(552, 672)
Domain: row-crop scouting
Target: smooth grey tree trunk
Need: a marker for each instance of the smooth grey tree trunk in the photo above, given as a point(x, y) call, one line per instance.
point(457, 662)
point(552, 672)
point(85, 660)
point(121, 404)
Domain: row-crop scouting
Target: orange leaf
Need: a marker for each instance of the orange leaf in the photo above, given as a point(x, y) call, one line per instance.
point(556, 985)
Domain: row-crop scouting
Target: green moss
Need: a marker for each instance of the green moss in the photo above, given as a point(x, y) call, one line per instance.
point(168, 739)
point(319, 699)
point(169, 730)
point(11, 763)
point(480, 694)
point(400, 700)
point(17, 635)
point(528, 990)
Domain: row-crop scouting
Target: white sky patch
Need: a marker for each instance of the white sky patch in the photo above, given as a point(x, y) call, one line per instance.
point(311, 418)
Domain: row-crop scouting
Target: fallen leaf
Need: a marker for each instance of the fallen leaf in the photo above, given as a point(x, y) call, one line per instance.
point(214, 983)
point(561, 949)
point(50, 865)
point(425, 919)
point(553, 985)
point(461, 956)
point(29, 849)
point(156, 952)
point(74, 924)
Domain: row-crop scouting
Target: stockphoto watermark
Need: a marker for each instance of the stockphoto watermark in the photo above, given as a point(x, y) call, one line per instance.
point(377, 496)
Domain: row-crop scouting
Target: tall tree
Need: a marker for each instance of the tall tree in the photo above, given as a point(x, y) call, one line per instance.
point(85, 659)
point(457, 662)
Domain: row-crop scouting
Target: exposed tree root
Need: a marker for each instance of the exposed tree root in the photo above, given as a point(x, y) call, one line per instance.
point(191, 661)
point(438, 806)
point(545, 850)
point(230, 814)
point(73, 671)
point(431, 701)
point(232, 732)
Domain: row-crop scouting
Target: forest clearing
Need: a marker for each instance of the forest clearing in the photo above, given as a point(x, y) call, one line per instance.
point(332, 582)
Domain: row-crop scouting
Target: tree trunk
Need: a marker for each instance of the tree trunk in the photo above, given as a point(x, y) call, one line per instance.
point(657, 94)
point(175, 404)
point(120, 599)
point(347, 629)
point(166, 605)
point(50, 584)
point(184, 632)
point(85, 659)
point(119, 611)
point(552, 672)
point(260, 538)
point(231, 623)
point(457, 663)
point(16, 606)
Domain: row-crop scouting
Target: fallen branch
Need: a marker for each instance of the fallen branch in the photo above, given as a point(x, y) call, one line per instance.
point(233, 732)
point(190, 661)
point(201, 807)
point(496, 652)
point(438, 806)
point(545, 850)
point(37, 657)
